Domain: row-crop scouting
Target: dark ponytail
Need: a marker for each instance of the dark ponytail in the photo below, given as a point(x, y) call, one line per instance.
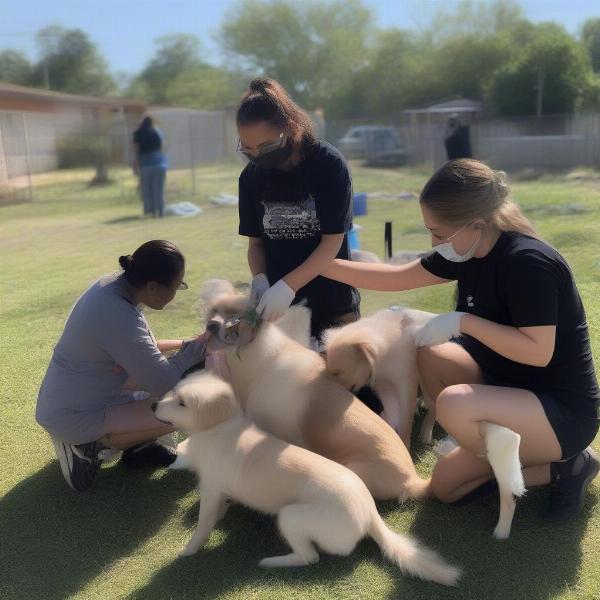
point(266, 100)
point(156, 260)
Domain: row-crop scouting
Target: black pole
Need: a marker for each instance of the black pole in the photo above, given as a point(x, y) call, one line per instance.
point(388, 240)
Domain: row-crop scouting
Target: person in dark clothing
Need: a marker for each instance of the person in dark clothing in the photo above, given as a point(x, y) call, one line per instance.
point(457, 140)
point(295, 207)
point(151, 166)
point(516, 352)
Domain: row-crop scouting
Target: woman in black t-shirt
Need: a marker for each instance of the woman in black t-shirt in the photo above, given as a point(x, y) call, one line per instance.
point(295, 207)
point(516, 351)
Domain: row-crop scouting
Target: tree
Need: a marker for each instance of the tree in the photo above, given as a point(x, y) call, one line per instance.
point(548, 76)
point(313, 49)
point(15, 67)
point(591, 40)
point(175, 55)
point(70, 62)
point(473, 17)
point(205, 88)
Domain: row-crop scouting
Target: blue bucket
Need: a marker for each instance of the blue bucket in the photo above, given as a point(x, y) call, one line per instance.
point(353, 239)
point(359, 204)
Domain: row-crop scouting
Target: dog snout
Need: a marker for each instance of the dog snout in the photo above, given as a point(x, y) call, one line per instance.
point(153, 406)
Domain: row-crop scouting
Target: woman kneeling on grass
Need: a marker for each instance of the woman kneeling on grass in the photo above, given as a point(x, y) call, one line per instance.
point(516, 352)
point(107, 350)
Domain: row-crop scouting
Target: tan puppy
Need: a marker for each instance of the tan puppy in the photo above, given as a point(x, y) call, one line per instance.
point(317, 501)
point(380, 351)
point(284, 388)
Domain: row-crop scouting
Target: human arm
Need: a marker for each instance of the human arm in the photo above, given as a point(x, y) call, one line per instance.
point(122, 332)
point(318, 260)
point(382, 277)
point(531, 282)
point(256, 256)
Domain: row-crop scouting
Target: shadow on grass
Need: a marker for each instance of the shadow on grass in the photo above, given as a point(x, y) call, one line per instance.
point(537, 562)
point(232, 566)
point(53, 541)
point(127, 219)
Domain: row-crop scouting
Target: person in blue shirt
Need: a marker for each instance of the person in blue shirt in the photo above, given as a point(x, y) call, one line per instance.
point(151, 166)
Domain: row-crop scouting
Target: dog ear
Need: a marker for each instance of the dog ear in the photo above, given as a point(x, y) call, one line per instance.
point(367, 352)
point(217, 409)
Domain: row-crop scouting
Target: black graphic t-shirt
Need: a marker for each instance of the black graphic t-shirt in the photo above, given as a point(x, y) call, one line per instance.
point(290, 210)
point(524, 282)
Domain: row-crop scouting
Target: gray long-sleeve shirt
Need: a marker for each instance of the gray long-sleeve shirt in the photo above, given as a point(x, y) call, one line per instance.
point(104, 329)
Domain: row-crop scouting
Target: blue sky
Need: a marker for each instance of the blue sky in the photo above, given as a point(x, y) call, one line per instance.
point(124, 30)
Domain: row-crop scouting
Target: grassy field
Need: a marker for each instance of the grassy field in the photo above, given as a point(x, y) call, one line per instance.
point(121, 539)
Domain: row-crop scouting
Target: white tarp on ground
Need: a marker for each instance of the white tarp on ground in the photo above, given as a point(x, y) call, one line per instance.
point(182, 209)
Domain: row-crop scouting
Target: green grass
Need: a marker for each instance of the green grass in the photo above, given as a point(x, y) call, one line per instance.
point(120, 540)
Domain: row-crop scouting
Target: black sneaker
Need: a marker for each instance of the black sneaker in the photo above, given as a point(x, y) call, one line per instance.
point(149, 454)
point(79, 463)
point(482, 491)
point(569, 481)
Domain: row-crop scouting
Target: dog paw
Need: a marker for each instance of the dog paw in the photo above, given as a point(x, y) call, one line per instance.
point(502, 533)
point(189, 550)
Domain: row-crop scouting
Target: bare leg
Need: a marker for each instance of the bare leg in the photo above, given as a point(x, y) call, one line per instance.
point(133, 423)
point(460, 472)
point(441, 366)
point(461, 409)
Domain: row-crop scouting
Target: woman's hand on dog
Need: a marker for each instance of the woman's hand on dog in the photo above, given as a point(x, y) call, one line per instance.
point(275, 301)
point(440, 329)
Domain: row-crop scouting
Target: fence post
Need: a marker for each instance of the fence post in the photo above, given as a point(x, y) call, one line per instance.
point(192, 157)
point(27, 155)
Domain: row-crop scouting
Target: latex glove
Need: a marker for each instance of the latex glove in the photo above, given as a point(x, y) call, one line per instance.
point(275, 301)
point(260, 284)
point(439, 329)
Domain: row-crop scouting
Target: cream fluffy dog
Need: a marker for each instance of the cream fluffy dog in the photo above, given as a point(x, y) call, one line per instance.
point(380, 350)
point(317, 501)
point(284, 388)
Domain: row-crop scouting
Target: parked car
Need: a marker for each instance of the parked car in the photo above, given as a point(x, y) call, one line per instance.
point(377, 144)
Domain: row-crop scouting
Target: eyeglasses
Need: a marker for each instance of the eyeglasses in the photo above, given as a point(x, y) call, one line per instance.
point(263, 149)
point(453, 235)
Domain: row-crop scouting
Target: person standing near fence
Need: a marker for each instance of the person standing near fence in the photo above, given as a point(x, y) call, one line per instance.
point(457, 140)
point(151, 166)
point(295, 207)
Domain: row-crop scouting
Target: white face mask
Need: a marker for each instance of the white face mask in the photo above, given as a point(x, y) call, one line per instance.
point(447, 251)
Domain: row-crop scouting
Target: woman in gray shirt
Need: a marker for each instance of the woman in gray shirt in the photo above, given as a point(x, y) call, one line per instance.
point(87, 400)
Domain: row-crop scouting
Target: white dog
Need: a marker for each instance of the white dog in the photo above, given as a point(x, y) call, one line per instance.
point(317, 501)
point(284, 388)
point(380, 351)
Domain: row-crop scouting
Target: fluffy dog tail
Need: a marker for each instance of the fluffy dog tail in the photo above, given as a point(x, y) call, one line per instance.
point(410, 556)
point(416, 488)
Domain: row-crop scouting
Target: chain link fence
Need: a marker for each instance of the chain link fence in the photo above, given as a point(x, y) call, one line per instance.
point(553, 142)
point(90, 147)
point(101, 149)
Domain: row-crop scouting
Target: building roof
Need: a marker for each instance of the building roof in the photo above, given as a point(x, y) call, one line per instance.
point(456, 105)
point(20, 91)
